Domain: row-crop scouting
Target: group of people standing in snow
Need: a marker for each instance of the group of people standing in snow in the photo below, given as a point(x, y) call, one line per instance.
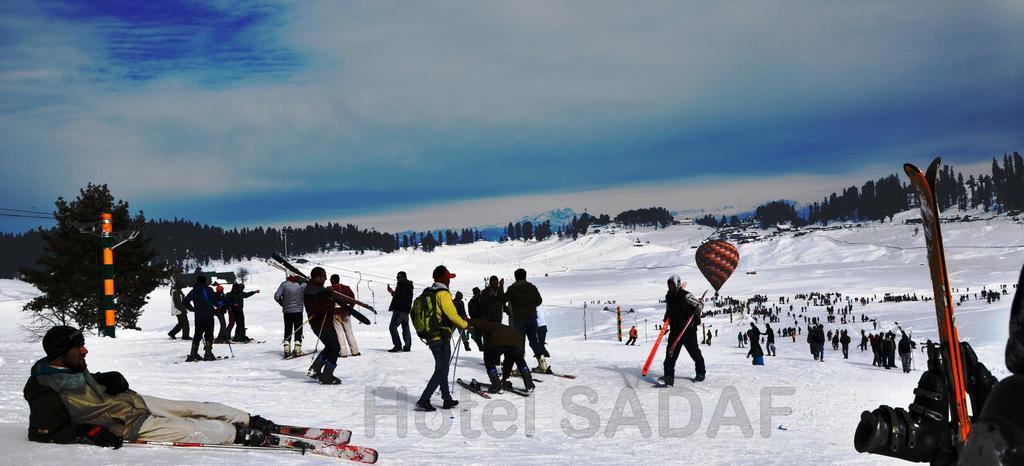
point(206, 302)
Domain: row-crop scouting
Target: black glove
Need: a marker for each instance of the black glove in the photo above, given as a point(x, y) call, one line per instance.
point(101, 436)
point(114, 381)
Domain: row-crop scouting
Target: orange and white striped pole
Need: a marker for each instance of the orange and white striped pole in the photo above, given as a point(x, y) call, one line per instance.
point(108, 319)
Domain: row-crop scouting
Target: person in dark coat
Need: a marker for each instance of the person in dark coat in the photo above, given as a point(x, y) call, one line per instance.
point(235, 303)
point(319, 303)
point(863, 341)
point(200, 302)
point(460, 308)
point(755, 352)
point(523, 299)
point(770, 335)
point(888, 348)
point(401, 305)
point(503, 342)
point(682, 307)
point(474, 313)
point(906, 348)
point(844, 341)
point(492, 300)
point(220, 310)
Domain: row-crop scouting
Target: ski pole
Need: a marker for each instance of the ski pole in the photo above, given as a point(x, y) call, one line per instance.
point(458, 344)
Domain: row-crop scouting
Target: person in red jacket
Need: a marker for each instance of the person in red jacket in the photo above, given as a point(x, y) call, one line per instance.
point(632, 336)
point(343, 319)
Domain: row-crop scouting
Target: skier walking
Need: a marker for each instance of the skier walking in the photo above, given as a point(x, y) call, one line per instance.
point(200, 302)
point(632, 336)
point(235, 303)
point(682, 307)
point(523, 299)
point(289, 297)
point(343, 319)
point(69, 404)
point(439, 339)
point(319, 304)
point(179, 312)
point(755, 352)
point(401, 302)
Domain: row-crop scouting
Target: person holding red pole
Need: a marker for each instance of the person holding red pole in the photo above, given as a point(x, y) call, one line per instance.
point(682, 312)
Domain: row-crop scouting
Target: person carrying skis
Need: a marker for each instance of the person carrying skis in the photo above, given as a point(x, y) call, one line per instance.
point(343, 319)
point(503, 342)
point(755, 352)
point(178, 311)
point(200, 301)
point(69, 404)
point(401, 302)
point(319, 304)
point(632, 336)
point(235, 303)
point(682, 307)
point(906, 348)
point(439, 343)
point(289, 296)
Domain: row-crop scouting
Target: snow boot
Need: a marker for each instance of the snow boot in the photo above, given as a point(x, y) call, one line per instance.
point(194, 354)
point(496, 383)
point(449, 404)
point(208, 353)
point(327, 376)
point(425, 406)
point(528, 382)
point(542, 366)
point(667, 381)
point(396, 349)
point(171, 335)
point(297, 350)
point(252, 437)
point(262, 424)
point(699, 378)
point(314, 370)
point(287, 346)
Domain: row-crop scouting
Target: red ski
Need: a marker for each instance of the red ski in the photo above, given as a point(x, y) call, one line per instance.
point(924, 185)
point(654, 350)
point(315, 433)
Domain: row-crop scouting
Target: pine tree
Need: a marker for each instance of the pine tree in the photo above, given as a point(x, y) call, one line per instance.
point(68, 275)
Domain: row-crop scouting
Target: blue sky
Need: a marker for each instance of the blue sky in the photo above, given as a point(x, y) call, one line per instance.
point(239, 113)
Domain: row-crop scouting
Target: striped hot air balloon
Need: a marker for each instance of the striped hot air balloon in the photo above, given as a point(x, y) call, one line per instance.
point(717, 260)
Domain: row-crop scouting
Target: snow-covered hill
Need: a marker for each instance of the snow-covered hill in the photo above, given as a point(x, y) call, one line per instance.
point(792, 410)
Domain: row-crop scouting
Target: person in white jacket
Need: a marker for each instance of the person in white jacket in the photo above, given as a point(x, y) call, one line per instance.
point(178, 310)
point(289, 296)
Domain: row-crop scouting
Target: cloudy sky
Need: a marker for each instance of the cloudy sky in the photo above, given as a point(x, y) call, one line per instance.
point(455, 113)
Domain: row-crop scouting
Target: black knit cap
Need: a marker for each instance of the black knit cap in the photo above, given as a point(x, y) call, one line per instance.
point(61, 339)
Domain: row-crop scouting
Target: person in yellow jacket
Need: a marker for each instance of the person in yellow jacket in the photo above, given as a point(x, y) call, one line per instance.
point(440, 344)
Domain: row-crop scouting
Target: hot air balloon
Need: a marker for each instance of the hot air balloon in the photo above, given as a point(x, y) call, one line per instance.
point(717, 260)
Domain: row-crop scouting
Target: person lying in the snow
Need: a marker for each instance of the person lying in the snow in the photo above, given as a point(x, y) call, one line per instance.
point(68, 404)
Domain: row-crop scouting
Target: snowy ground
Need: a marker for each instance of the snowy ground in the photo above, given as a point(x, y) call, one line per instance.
point(609, 414)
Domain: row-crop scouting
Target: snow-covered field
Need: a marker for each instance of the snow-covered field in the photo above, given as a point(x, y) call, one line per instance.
point(792, 410)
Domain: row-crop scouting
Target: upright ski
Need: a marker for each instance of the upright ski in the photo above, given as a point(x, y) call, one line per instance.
point(283, 264)
point(654, 350)
point(924, 185)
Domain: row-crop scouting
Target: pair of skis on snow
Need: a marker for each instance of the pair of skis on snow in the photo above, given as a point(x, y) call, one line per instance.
point(330, 443)
point(482, 388)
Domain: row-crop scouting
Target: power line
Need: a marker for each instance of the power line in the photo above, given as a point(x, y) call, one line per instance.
point(27, 211)
point(40, 217)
